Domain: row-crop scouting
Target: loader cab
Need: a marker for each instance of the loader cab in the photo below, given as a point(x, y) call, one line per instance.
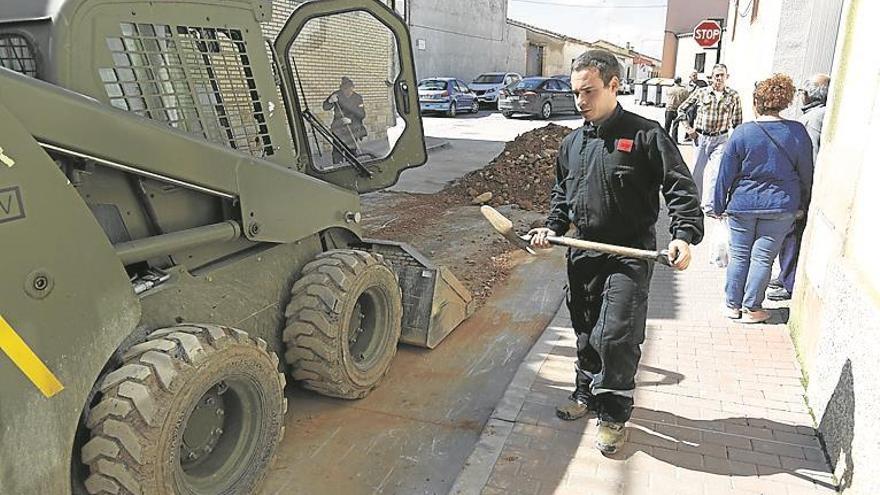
point(242, 77)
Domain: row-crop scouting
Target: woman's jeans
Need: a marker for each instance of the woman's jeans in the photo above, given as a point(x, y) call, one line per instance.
point(755, 240)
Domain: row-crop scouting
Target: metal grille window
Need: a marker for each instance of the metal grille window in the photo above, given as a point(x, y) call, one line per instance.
point(16, 53)
point(197, 79)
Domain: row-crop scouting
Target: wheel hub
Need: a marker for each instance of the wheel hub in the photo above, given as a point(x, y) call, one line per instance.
point(362, 329)
point(204, 428)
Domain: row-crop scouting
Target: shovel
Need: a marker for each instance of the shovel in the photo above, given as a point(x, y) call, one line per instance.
point(505, 228)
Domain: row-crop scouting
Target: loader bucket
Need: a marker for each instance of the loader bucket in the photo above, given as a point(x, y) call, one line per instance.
point(434, 301)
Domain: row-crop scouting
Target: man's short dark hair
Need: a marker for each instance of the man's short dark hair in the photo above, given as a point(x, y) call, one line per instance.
point(602, 60)
point(720, 66)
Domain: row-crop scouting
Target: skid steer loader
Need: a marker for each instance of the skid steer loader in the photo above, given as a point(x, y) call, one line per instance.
point(176, 239)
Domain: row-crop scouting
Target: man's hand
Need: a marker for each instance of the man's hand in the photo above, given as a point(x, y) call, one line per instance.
point(539, 237)
point(346, 120)
point(333, 98)
point(690, 132)
point(679, 254)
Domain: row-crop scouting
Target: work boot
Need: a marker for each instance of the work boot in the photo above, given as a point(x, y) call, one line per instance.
point(581, 402)
point(610, 437)
point(576, 408)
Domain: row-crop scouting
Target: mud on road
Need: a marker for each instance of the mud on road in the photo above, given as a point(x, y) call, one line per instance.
point(447, 226)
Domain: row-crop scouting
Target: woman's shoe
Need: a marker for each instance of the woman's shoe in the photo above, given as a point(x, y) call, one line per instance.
point(754, 316)
point(732, 313)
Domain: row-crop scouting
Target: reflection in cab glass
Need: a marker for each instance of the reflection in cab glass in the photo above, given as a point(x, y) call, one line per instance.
point(346, 67)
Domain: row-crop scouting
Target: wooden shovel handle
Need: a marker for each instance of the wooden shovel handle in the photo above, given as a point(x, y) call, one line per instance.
point(658, 256)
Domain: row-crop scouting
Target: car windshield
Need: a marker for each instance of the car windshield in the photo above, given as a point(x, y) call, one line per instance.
point(432, 85)
point(528, 84)
point(489, 79)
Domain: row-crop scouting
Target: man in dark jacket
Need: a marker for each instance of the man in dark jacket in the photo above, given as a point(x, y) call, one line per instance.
point(609, 174)
point(348, 116)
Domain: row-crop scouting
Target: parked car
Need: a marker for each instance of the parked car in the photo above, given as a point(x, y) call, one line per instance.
point(563, 77)
point(447, 95)
point(540, 96)
point(487, 85)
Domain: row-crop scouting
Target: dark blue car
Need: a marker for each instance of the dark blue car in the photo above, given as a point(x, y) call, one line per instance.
point(447, 95)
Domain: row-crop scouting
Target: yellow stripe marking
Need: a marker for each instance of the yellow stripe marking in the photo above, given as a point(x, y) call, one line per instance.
point(28, 362)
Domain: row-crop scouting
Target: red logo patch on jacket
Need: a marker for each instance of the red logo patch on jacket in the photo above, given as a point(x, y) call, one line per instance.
point(625, 145)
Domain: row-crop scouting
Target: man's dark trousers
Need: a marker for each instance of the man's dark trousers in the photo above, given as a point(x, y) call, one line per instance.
point(608, 302)
point(788, 255)
point(672, 125)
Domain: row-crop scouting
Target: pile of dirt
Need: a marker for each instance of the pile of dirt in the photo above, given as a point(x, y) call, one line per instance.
point(523, 174)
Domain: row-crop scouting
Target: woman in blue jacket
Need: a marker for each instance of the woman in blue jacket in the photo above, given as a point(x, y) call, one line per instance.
point(763, 184)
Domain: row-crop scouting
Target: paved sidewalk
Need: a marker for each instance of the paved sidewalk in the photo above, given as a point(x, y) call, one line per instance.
point(719, 410)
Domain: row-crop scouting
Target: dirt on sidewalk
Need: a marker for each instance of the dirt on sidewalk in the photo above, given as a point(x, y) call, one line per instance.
point(447, 225)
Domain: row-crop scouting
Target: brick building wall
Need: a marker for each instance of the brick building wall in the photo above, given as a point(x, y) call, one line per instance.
point(352, 44)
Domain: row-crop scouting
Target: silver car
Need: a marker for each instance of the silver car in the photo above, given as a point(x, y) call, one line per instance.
point(486, 86)
point(539, 96)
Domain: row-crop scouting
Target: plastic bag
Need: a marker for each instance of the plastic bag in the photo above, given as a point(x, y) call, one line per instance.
point(719, 243)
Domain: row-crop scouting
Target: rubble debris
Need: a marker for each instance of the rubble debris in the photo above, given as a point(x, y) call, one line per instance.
point(523, 174)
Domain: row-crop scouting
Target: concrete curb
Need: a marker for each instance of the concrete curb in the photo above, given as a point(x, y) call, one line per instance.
point(434, 144)
point(478, 467)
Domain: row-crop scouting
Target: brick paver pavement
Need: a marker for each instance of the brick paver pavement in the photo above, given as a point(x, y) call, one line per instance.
point(719, 410)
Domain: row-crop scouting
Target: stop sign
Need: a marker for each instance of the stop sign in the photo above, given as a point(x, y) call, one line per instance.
point(707, 34)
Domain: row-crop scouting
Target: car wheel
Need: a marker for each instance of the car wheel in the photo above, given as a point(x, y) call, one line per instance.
point(507, 115)
point(546, 111)
point(451, 112)
point(475, 106)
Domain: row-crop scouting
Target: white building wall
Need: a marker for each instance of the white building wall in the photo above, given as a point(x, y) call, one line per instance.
point(749, 49)
point(686, 55)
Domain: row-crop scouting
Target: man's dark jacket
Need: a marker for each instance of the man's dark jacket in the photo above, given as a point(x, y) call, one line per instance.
point(608, 180)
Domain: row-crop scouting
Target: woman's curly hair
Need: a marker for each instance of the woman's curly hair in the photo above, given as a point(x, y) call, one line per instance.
point(774, 94)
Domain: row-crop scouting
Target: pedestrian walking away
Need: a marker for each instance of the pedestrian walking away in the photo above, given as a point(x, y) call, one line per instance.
point(348, 116)
point(814, 94)
point(719, 111)
point(674, 97)
point(694, 84)
point(608, 176)
point(763, 184)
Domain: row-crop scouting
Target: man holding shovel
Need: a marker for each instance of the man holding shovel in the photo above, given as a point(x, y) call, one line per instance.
point(609, 174)
point(348, 116)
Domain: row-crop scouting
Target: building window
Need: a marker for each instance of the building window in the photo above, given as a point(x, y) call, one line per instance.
point(700, 62)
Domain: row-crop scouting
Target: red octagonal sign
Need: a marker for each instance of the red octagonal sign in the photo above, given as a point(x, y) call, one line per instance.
point(707, 34)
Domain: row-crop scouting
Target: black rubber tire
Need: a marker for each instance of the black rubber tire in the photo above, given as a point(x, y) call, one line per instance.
point(322, 303)
point(475, 107)
point(452, 112)
point(138, 425)
point(546, 111)
point(507, 115)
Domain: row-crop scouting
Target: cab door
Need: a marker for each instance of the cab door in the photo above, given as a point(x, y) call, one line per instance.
point(350, 82)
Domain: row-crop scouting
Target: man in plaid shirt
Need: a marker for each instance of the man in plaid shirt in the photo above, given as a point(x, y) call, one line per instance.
point(719, 111)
